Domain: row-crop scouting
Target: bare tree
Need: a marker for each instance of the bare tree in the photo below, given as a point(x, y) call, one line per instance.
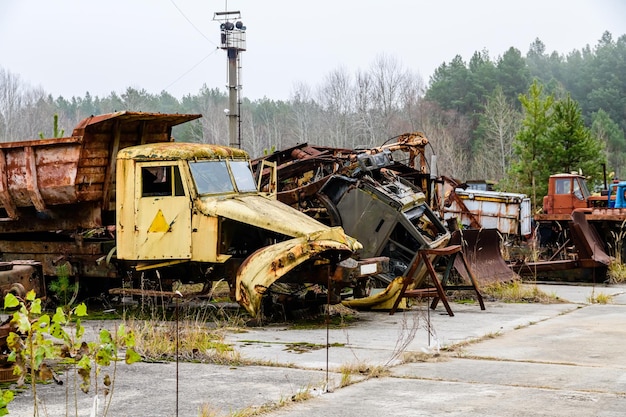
point(448, 132)
point(335, 98)
point(388, 80)
point(500, 121)
point(10, 105)
point(305, 115)
point(37, 115)
point(364, 105)
point(410, 97)
point(211, 104)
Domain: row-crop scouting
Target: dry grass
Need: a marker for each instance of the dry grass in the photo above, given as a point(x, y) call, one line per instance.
point(518, 292)
point(362, 369)
point(600, 298)
point(156, 340)
point(617, 268)
point(617, 272)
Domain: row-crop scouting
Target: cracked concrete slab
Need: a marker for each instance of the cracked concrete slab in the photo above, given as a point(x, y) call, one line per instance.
point(511, 359)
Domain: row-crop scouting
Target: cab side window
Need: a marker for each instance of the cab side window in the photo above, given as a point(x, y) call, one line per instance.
point(563, 186)
point(161, 181)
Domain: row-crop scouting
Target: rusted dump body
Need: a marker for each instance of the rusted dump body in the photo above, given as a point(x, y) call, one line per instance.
point(57, 196)
point(43, 174)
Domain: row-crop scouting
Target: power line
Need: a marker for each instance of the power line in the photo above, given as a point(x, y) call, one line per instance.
point(189, 70)
point(191, 23)
point(203, 35)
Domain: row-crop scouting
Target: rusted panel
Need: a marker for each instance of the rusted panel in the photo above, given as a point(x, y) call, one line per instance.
point(133, 119)
point(481, 248)
point(41, 142)
point(110, 168)
point(267, 265)
point(48, 172)
point(64, 217)
point(35, 248)
point(586, 239)
point(5, 196)
point(31, 179)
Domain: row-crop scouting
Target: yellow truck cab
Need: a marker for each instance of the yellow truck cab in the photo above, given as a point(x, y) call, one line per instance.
point(198, 204)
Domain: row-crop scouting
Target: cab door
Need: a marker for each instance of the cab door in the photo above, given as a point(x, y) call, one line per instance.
point(162, 212)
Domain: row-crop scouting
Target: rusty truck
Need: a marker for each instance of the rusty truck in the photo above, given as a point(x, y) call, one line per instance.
point(130, 211)
point(569, 194)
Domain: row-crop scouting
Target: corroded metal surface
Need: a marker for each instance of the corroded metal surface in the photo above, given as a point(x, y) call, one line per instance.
point(586, 239)
point(180, 151)
point(267, 265)
point(481, 248)
point(48, 172)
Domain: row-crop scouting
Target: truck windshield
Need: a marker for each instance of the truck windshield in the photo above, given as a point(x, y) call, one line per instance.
point(211, 177)
point(243, 176)
point(583, 188)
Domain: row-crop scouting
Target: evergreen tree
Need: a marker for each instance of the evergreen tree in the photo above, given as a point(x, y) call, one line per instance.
point(449, 86)
point(607, 131)
point(513, 74)
point(528, 173)
point(571, 146)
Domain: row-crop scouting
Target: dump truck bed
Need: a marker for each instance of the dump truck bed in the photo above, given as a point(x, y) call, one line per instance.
point(46, 173)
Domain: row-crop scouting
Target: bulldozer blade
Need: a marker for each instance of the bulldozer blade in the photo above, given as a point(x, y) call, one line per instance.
point(481, 248)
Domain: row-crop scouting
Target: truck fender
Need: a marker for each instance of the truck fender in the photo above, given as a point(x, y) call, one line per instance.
point(269, 264)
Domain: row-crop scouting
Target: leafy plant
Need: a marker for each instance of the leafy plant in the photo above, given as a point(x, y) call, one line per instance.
point(30, 347)
point(6, 396)
point(64, 290)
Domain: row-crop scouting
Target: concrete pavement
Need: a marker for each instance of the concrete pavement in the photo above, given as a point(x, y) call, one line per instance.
point(510, 360)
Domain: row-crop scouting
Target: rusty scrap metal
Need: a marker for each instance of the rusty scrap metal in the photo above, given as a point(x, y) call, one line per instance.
point(481, 248)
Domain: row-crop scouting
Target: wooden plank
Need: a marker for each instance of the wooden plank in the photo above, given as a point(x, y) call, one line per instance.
point(110, 170)
point(94, 162)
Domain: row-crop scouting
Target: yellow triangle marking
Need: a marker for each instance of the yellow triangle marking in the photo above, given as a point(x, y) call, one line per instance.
point(159, 224)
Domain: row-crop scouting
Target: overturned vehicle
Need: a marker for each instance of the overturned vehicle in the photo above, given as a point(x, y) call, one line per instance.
point(374, 198)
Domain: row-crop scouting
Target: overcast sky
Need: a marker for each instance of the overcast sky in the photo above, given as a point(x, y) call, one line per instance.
point(70, 47)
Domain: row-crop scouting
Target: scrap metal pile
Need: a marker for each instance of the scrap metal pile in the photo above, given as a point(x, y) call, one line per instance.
point(391, 199)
